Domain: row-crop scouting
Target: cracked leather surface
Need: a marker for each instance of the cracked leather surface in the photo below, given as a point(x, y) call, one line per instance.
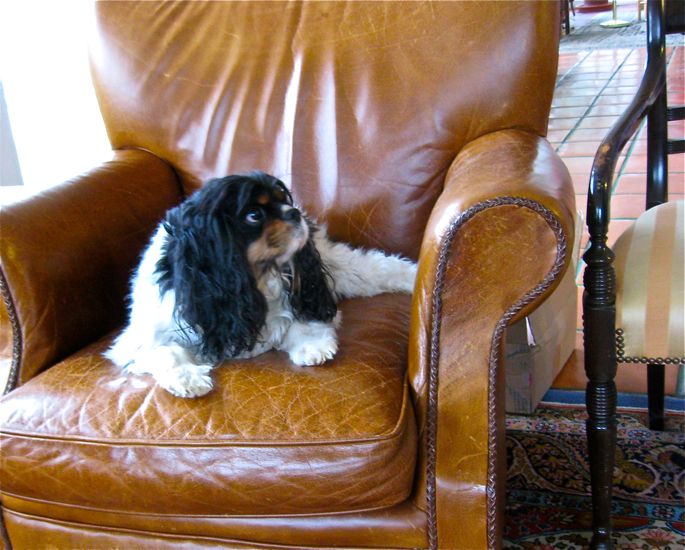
point(360, 107)
point(271, 438)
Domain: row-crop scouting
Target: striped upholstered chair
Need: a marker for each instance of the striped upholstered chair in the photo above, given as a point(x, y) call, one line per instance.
point(650, 292)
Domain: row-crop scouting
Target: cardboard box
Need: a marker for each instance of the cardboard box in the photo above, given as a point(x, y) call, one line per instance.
point(537, 347)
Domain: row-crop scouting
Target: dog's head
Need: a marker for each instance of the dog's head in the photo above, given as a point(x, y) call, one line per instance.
point(221, 242)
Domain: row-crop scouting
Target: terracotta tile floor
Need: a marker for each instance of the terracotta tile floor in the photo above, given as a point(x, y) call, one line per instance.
point(593, 89)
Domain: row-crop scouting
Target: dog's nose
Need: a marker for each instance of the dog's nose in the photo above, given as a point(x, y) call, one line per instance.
point(292, 215)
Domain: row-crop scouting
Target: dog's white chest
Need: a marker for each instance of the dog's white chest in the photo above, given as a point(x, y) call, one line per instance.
point(279, 316)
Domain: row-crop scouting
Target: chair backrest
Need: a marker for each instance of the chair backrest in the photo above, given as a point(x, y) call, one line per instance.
point(360, 107)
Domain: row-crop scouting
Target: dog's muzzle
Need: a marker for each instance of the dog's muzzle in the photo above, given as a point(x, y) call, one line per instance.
point(293, 215)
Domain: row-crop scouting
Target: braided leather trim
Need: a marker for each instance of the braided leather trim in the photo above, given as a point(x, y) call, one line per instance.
point(493, 405)
point(14, 372)
point(17, 338)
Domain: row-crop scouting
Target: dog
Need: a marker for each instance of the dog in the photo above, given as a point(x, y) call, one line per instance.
point(237, 270)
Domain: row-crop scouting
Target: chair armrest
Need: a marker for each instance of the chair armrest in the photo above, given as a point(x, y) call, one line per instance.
point(66, 256)
point(497, 243)
point(651, 92)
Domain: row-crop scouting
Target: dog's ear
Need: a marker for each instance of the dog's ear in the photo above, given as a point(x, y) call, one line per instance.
point(311, 296)
point(218, 305)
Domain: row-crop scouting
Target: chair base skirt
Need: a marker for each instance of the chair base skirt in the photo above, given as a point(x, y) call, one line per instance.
point(401, 526)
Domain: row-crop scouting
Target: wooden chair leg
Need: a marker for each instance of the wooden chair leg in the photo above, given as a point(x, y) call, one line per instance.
point(655, 396)
point(565, 16)
point(600, 399)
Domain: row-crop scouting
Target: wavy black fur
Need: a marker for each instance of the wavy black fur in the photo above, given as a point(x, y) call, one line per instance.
point(311, 298)
point(204, 263)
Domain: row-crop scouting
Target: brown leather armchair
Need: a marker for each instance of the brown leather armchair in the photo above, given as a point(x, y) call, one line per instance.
point(417, 128)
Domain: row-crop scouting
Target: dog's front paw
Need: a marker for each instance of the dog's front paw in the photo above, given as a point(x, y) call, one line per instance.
point(186, 380)
point(174, 368)
point(314, 352)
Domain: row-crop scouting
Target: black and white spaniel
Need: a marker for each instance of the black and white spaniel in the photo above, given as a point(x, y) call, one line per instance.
point(234, 271)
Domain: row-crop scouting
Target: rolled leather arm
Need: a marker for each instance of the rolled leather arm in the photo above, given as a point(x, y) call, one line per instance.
point(497, 242)
point(66, 256)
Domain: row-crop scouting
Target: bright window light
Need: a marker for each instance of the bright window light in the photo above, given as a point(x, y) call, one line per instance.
point(53, 114)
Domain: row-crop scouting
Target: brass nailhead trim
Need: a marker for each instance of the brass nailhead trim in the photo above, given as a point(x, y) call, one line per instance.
point(622, 358)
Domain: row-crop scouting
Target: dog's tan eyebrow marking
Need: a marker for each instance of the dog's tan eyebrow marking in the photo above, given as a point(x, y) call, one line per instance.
point(263, 199)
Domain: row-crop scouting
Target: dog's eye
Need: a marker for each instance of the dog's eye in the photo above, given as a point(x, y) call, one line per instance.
point(255, 216)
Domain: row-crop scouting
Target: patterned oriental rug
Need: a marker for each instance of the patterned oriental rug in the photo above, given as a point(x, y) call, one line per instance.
point(548, 482)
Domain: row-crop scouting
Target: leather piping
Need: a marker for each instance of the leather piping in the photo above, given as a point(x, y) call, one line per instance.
point(17, 343)
point(14, 499)
point(17, 337)
point(431, 422)
point(4, 536)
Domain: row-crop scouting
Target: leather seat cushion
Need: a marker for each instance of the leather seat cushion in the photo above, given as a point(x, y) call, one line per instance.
point(271, 438)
